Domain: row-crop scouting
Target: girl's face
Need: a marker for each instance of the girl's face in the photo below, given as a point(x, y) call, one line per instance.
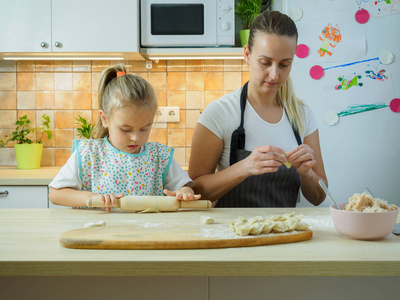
point(270, 61)
point(128, 127)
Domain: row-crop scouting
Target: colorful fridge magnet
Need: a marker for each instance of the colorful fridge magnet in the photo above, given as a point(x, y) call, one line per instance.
point(385, 57)
point(395, 105)
point(316, 72)
point(302, 51)
point(295, 13)
point(362, 16)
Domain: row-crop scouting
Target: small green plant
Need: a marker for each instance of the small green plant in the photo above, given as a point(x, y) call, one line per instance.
point(20, 135)
point(247, 11)
point(85, 128)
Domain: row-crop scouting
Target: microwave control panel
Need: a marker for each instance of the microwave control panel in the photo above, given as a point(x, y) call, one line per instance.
point(226, 22)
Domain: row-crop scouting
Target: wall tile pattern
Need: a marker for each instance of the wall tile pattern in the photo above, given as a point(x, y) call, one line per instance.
point(65, 89)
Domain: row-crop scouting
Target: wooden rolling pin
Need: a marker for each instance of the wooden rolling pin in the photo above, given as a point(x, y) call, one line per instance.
point(160, 203)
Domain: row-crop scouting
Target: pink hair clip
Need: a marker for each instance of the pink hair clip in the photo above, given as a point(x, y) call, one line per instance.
point(120, 73)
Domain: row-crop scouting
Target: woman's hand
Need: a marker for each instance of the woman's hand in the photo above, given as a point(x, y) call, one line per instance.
point(302, 158)
point(108, 200)
point(185, 193)
point(264, 159)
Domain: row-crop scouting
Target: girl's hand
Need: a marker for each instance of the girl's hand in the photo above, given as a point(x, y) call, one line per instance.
point(302, 158)
point(185, 193)
point(264, 159)
point(109, 200)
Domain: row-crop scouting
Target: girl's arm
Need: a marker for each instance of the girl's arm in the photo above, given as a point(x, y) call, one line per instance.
point(206, 151)
point(69, 197)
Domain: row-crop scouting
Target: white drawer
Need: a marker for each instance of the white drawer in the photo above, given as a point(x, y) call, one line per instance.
point(23, 197)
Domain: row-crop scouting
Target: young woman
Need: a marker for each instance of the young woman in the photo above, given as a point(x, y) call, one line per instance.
point(248, 134)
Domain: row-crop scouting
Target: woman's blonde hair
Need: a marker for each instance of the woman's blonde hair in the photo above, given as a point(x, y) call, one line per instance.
point(274, 22)
point(119, 91)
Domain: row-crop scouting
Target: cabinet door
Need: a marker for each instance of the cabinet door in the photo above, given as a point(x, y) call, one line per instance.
point(95, 25)
point(23, 197)
point(25, 25)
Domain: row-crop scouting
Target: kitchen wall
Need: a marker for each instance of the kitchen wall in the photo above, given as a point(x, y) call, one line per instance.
point(65, 89)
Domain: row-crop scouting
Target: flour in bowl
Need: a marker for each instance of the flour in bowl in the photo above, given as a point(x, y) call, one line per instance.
point(366, 203)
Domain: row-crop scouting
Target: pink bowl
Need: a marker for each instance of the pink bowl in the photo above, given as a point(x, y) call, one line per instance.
point(362, 225)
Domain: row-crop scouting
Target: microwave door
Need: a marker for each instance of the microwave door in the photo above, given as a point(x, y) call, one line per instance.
point(179, 25)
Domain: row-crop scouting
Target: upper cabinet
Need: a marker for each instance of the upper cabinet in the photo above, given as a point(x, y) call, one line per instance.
point(69, 26)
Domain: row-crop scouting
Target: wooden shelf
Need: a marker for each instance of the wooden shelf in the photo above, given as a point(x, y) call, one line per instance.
point(192, 53)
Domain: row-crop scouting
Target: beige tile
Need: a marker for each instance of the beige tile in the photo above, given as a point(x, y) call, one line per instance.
point(40, 113)
point(63, 100)
point(191, 118)
point(158, 80)
point(188, 150)
point(95, 116)
point(213, 81)
point(176, 98)
point(31, 114)
point(3, 133)
point(245, 77)
point(232, 65)
point(25, 81)
point(194, 99)
point(45, 100)
point(8, 119)
point(195, 65)
point(25, 66)
point(176, 81)
point(95, 100)
point(64, 138)
point(64, 119)
point(81, 81)
point(180, 156)
point(8, 100)
point(160, 66)
point(63, 81)
point(95, 81)
point(8, 81)
point(82, 100)
point(158, 135)
point(232, 80)
point(142, 74)
point(182, 120)
point(7, 157)
point(210, 96)
point(49, 143)
point(195, 81)
point(44, 81)
point(137, 66)
point(100, 65)
point(26, 100)
point(48, 157)
point(62, 155)
point(176, 65)
point(213, 65)
point(8, 66)
point(62, 66)
point(81, 66)
point(44, 66)
point(176, 137)
point(87, 114)
point(161, 97)
point(245, 66)
point(189, 136)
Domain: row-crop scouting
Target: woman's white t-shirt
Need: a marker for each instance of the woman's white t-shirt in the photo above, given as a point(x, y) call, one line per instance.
point(222, 117)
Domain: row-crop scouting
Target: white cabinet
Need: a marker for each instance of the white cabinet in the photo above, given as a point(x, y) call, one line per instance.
point(69, 26)
point(23, 196)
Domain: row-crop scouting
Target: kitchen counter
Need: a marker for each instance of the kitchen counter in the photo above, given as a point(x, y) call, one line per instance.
point(14, 176)
point(29, 246)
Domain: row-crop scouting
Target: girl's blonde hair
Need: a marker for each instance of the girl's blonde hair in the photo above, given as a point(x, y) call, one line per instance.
point(274, 22)
point(119, 91)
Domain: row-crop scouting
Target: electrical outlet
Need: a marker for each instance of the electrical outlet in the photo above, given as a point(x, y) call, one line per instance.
point(161, 115)
point(172, 114)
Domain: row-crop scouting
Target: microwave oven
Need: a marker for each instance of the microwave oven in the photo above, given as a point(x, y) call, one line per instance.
point(187, 23)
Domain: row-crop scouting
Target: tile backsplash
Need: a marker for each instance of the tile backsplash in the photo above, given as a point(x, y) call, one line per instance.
point(65, 89)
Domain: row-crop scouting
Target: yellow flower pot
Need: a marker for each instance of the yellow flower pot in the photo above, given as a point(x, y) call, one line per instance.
point(28, 156)
point(244, 36)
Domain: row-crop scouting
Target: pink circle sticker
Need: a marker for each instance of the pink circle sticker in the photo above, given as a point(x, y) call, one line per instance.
point(362, 16)
point(395, 105)
point(302, 51)
point(316, 72)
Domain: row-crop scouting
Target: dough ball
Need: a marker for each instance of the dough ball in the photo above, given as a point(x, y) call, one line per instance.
point(267, 226)
point(243, 230)
point(280, 226)
point(206, 220)
point(300, 226)
point(256, 228)
point(255, 220)
point(95, 224)
point(291, 224)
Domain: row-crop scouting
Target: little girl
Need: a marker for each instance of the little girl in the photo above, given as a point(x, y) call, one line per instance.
point(119, 161)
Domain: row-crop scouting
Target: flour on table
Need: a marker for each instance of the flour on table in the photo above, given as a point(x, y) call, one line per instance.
point(275, 224)
point(149, 210)
point(95, 224)
point(206, 220)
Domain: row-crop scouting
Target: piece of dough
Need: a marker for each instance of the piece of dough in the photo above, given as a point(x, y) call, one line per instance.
point(300, 226)
point(291, 224)
point(280, 226)
point(149, 210)
point(287, 164)
point(256, 228)
point(206, 220)
point(243, 230)
point(267, 226)
point(95, 224)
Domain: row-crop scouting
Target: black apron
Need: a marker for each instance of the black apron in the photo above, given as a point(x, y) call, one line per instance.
point(277, 189)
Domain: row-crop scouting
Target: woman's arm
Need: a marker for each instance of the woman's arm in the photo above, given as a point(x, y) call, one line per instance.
point(206, 151)
point(308, 161)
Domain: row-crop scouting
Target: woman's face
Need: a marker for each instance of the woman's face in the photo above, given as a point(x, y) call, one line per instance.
point(270, 61)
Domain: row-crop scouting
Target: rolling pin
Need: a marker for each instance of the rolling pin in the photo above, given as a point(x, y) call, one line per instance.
point(160, 203)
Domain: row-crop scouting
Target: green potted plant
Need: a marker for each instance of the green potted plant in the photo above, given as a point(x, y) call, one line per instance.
point(27, 152)
point(247, 11)
point(85, 128)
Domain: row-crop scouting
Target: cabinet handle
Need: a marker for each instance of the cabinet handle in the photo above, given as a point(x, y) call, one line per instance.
point(58, 44)
point(44, 45)
point(5, 193)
